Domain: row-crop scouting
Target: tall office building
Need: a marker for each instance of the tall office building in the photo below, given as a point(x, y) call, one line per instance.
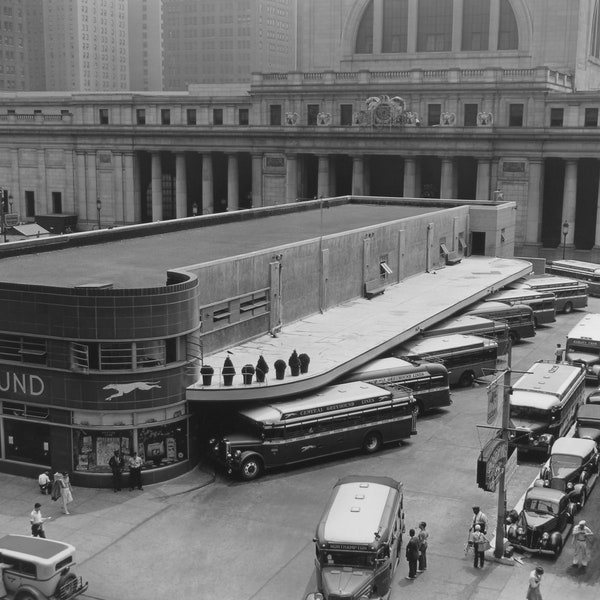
point(21, 45)
point(224, 41)
point(86, 45)
point(145, 45)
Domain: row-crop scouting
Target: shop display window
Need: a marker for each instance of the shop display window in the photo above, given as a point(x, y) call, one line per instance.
point(27, 442)
point(93, 449)
point(163, 445)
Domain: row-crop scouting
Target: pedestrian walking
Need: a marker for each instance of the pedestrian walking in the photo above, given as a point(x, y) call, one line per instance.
point(558, 353)
point(581, 538)
point(66, 491)
point(135, 472)
point(535, 579)
point(422, 536)
point(37, 521)
point(479, 543)
point(117, 464)
point(412, 555)
point(479, 518)
point(45, 482)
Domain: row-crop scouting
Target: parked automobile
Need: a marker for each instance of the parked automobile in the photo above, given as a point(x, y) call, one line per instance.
point(545, 522)
point(587, 424)
point(572, 468)
point(39, 569)
point(593, 397)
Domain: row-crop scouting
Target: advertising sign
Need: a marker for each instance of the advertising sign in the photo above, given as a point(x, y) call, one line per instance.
point(491, 463)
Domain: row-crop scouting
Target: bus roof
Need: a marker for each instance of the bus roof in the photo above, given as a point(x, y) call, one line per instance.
point(495, 306)
point(443, 343)
point(587, 328)
point(544, 384)
point(520, 294)
point(465, 323)
point(360, 511)
point(577, 265)
point(390, 366)
point(553, 281)
point(329, 399)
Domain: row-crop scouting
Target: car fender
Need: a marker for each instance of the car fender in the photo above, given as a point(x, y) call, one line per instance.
point(248, 454)
point(556, 539)
point(578, 489)
point(539, 483)
point(28, 589)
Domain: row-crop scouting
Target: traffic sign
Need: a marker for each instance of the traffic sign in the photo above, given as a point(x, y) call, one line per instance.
point(11, 219)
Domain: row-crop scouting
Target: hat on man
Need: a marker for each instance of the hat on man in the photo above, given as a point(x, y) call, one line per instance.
point(582, 523)
point(477, 527)
point(539, 570)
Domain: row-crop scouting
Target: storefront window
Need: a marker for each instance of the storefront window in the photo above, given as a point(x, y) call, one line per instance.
point(93, 449)
point(164, 445)
point(27, 442)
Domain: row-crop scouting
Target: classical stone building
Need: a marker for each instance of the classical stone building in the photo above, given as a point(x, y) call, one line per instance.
point(468, 99)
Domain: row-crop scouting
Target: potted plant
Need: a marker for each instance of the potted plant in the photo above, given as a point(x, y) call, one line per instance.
point(294, 363)
point(304, 361)
point(262, 368)
point(207, 372)
point(247, 372)
point(228, 372)
point(280, 367)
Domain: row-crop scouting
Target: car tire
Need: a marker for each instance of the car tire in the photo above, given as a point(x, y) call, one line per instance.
point(372, 442)
point(582, 499)
point(420, 409)
point(567, 308)
point(515, 338)
point(67, 585)
point(251, 468)
point(466, 379)
point(558, 548)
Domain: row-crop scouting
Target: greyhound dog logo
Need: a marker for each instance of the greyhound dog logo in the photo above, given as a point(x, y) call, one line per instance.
point(126, 388)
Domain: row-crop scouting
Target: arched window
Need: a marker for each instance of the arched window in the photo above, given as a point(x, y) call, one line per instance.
point(508, 35)
point(476, 25)
point(364, 37)
point(395, 25)
point(595, 41)
point(434, 27)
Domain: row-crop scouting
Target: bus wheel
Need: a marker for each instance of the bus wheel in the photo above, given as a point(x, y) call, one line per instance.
point(420, 409)
point(372, 443)
point(568, 307)
point(466, 379)
point(251, 468)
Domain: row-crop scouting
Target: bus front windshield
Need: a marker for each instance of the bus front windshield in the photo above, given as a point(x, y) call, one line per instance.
point(343, 558)
point(531, 414)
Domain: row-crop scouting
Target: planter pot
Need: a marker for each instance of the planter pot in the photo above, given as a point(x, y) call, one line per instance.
point(295, 371)
point(227, 379)
point(303, 368)
point(260, 377)
point(280, 374)
point(206, 379)
point(247, 378)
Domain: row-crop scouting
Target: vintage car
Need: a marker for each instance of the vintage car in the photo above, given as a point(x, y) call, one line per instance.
point(38, 569)
point(587, 424)
point(572, 468)
point(544, 524)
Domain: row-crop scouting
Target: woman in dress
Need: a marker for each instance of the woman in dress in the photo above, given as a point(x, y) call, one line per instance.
point(66, 490)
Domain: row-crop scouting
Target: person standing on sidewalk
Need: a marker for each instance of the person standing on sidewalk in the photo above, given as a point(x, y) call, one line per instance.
point(37, 521)
point(117, 464)
point(479, 542)
point(135, 472)
point(582, 539)
point(558, 353)
point(412, 555)
point(479, 518)
point(535, 579)
point(66, 491)
point(45, 482)
point(422, 537)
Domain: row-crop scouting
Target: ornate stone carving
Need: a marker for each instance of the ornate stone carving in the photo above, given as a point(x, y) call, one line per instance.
point(485, 119)
point(448, 119)
point(323, 119)
point(291, 118)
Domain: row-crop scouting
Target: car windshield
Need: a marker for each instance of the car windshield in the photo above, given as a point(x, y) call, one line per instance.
point(544, 507)
point(347, 559)
point(562, 464)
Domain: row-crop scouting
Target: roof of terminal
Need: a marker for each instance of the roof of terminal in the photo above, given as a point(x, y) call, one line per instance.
point(142, 262)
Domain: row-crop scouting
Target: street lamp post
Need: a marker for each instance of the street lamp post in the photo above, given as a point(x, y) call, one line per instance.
point(565, 232)
point(99, 208)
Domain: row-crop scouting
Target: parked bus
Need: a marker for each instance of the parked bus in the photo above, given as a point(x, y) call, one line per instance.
point(467, 357)
point(570, 293)
point(428, 381)
point(542, 303)
point(339, 418)
point(583, 346)
point(518, 317)
point(544, 403)
point(589, 272)
point(358, 539)
point(474, 325)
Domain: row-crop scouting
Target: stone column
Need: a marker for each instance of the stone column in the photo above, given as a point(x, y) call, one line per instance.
point(180, 186)
point(81, 207)
point(233, 192)
point(597, 234)
point(257, 199)
point(208, 200)
point(69, 200)
point(131, 208)
point(291, 178)
point(358, 183)
point(118, 211)
point(447, 177)
point(534, 203)
point(15, 183)
point(570, 198)
point(410, 178)
point(323, 177)
point(483, 180)
point(157, 211)
point(44, 201)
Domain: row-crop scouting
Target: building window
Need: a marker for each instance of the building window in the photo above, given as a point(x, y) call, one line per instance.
point(57, 203)
point(470, 119)
point(434, 112)
point(395, 26)
point(191, 118)
point(364, 36)
point(122, 356)
point(140, 116)
point(515, 115)
point(476, 25)
point(165, 116)
point(591, 117)
point(23, 349)
point(508, 34)
point(346, 112)
point(25, 441)
point(434, 26)
point(275, 114)
point(312, 112)
point(243, 116)
point(556, 117)
point(103, 114)
point(29, 204)
point(217, 116)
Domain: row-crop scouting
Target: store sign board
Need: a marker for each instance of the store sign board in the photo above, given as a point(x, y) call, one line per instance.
point(491, 464)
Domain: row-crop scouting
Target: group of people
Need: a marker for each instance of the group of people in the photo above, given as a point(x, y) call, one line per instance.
point(416, 551)
point(59, 486)
point(117, 466)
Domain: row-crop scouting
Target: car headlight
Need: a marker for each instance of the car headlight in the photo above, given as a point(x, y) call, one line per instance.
point(570, 485)
point(545, 536)
point(520, 532)
point(318, 596)
point(238, 453)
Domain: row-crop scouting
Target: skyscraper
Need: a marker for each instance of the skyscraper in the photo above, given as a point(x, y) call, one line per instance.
point(145, 45)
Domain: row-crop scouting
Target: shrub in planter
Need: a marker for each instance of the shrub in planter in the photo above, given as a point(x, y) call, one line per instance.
point(262, 368)
point(280, 367)
point(294, 363)
point(304, 361)
point(247, 372)
point(228, 372)
point(207, 372)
